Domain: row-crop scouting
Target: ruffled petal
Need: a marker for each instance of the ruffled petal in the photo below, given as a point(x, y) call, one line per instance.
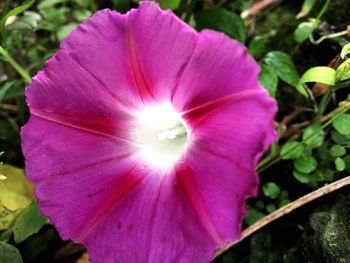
point(226, 144)
point(218, 68)
point(160, 45)
point(153, 223)
point(73, 170)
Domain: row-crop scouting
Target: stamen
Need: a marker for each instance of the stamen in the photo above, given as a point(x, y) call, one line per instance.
point(162, 135)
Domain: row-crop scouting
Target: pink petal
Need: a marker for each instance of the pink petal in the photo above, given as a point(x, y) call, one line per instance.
point(160, 45)
point(219, 67)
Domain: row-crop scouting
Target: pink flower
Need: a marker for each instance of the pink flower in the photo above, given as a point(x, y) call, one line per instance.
point(144, 136)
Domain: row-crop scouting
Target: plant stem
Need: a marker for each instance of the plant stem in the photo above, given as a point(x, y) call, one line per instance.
point(334, 35)
point(323, 10)
point(328, 188)
point(24, 74)
point(343, 108)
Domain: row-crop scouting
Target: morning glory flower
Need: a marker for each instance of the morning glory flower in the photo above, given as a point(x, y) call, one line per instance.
point(144, 136)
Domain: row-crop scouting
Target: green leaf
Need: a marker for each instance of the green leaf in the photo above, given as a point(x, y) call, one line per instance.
point(340, 138)
point(303, 31)
point(325, 75)
point(337, 150)
point(4, 89)
point(283, 202)
point(268, 79)
point(339, 164)
point(16, 11)
point(323, 152)
point(292, 150)
point(343, 71)
point(314, 135)
point(221, 20)
point(324, 175)
point(301, 177)
point(345, 51)
point(284, 67)
point(306, 8)
point(15, 194)
point(29, 21)
point(9, 253)
point(169, 4)
point(65, 30)
point(29, 222)
point(346, 160)
point(342, 124)
point(271, 208)
point(253, 216)
point(305, 164)
point(271, 190)
point(258, 44)
point(81, 14)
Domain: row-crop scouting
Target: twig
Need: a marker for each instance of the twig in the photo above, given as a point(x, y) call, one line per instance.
point(289, 208)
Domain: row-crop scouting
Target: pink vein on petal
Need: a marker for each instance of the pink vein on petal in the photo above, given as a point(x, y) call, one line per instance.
point(141, 84)
point(184, 176)
point(79, 124)
point(120, 190)
point(197, 114)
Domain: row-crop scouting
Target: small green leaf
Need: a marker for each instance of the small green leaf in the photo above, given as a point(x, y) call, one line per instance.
point(346, 160)
point(303, 31)
point(301, 177)
point(343, 71)
point(284, 67)
point(337, 150)
point(292, 150)
point(306, 8)
point(339, 164)
point(342, 124)
point(283, 202)
point(345, 51)
point(325, 75)
point(29, 222)
point(4, 89)
point(65, 30)
point(9, 253)
point(16, 11)
point(324, 175)
point(271, 208)
point(221, 20)
point(253, 216)
point(29, 21)
point(314, 135)
point(340, 138)
point(271, 190)
point(169, 4)
point(305, 164)
point(268, 79)
point(258, 44)
point(81, 14)
point(323, 152)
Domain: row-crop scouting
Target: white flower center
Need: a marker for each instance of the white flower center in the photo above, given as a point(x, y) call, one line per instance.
point(162, 135)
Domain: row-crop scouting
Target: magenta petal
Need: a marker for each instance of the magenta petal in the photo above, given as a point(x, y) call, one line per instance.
point(160, 45)
point(219, 67)
point(155, 222)
point(227, 143)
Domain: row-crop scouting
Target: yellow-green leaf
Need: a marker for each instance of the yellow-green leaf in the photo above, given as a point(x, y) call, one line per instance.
point(16, 193)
